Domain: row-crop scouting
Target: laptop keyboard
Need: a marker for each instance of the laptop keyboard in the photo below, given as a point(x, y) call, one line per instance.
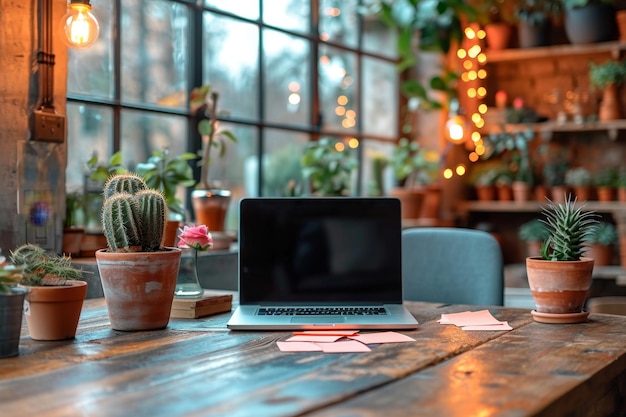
point(322, 311)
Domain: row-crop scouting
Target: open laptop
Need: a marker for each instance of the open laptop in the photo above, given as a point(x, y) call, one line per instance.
point(320, 263)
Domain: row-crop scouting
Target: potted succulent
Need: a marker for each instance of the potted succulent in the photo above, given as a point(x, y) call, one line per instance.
point(535, 21)
point(534, 233)
point(579, 180)
point(166, 173)
point(560, 278)
point(210, 200)
point(55, 292)
point(608, 77)
point(601, 243)
point(415, 170)
point(621, 185)
point(11, 308)
point(606, 181)
point(589, 21)
point(138, 274)
point(328, 168)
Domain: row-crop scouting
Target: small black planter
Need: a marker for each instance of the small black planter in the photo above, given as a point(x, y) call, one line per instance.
point(11, 308)
point(591, 24)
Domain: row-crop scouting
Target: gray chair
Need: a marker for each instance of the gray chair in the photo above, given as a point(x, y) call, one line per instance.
point(452, 265)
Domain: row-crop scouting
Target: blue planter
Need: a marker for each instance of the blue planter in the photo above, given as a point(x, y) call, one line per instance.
point(591, 24)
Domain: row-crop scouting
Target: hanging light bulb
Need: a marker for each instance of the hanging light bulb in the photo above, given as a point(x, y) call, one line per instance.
point(80, 26)
point(455, 126)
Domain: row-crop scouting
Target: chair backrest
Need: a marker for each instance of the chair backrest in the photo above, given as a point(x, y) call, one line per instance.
point(452, 265)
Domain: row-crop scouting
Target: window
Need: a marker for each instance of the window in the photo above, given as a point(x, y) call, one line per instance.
point(283, 79)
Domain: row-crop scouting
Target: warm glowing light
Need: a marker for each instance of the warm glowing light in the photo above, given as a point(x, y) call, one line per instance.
point(482, 108)
point(460, 170)
point(469, 33)
point(351, 114)
point(461, 53)
point(80, 26)
point(473, 157)
point(471, 92)
point(472, 75)
point(480, 150)
point(294, 98)
point(482, 74)
point(480, 124)
point(482, 58)
point(474, 51)
point(340, 110)
point(455, 127)
point(467, 64)
point(332, 11)
point(324, 36)
point(448, 173)
point(294, 86)
point(348, 123)
point(476, 117)
point(353, 143)
point(340, 147)
point(324, 60)
point(482, 91)
point(477, 139)
point(465, 77)
point(342, 100)
point(481, 34)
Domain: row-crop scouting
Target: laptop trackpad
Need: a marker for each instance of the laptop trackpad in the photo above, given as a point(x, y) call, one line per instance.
point(319, 320)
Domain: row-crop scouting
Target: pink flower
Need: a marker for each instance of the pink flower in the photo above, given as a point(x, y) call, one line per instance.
point(196, 237)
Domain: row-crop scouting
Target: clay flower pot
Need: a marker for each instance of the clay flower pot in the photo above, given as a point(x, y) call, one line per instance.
point(559, 287)
point(53, 312)
point(139, 287)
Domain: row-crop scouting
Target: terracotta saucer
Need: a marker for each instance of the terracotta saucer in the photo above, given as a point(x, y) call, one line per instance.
point(563, 318)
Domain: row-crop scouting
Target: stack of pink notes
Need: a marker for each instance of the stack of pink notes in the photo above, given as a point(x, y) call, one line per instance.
point(475, 320)
point(338, 341)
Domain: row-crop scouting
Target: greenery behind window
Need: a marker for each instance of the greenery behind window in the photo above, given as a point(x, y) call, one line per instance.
point(283, 79)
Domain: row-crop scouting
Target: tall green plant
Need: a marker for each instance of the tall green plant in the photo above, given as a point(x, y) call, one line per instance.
point(328, 169)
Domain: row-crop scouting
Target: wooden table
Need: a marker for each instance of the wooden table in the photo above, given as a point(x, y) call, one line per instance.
point(199, 368)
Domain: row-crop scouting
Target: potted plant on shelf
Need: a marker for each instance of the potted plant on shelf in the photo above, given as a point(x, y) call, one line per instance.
point(498, 21)
point(415, 170)
point(535, 21)
point(72, 230)
point(606, 183)
point(534, 233)
point(138, 274)
point(608, 77)
point(210, 201)
point(579, 180)
point(560, 278)
point(328, 167)
point(11, 310)
point(601, 243)
point(164, 173)
point(590, 21)
point(621, 185)
point(55, 294)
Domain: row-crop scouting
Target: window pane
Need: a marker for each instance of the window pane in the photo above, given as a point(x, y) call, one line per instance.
point(282, 172)
point(231, 64)
point(243, 8)
point(338, 89)
point(154, 52)
point(378, 38)
point(287, 78)
point(372, 150)
point(90, 70)
point(339, 22)
point(380, 98)
point(288, 14)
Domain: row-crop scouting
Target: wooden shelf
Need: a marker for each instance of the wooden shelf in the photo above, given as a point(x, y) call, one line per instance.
point(515, 54)
point(552, 127)
point(532, 206)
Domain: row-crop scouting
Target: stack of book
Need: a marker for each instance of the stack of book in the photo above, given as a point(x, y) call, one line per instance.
point(211, 302)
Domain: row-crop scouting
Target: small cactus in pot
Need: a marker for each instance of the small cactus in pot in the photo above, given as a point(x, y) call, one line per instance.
point(133, 216)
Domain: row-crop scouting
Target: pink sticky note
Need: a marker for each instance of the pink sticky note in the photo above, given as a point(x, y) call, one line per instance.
point(494, 327)
point(469, 318)
point(326, 332)
point(298, 347)
point(343, 347)
point(382, 337)
point(313, 338)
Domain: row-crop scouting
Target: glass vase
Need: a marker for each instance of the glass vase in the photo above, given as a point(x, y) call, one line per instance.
point(187, 283)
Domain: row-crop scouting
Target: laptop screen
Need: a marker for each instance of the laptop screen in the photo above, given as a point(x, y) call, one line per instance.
point(320, 250)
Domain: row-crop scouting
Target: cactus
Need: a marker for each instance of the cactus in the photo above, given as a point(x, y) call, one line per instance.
point(133, 221)
point(569, 228)
point(130, 183)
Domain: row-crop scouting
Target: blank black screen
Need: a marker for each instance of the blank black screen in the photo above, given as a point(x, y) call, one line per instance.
point(321, 250)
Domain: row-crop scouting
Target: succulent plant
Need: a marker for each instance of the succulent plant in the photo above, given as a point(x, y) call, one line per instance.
point(570, 229)
point(35, 266)
point(133, 221)
point(604, 233)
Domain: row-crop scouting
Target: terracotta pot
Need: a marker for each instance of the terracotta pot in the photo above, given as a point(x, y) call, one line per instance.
point(485, 193)
point(621, 194)
point(582, 192)
point(610, 108)
point(601, 254)
point(210, 207)
point(411, 200)
point(606, 193)
point(139, 287)
point(431, 205)
point(559, 287)
point(620, 17)
point(11, 307)
point(498, 35)
point(53, 312)
point(533, 248)
point(541, 192)
point(521, 191)
point(91, 243)
point(505, 192)
point(72, 240)
point(559, 193)
point(170, 233)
